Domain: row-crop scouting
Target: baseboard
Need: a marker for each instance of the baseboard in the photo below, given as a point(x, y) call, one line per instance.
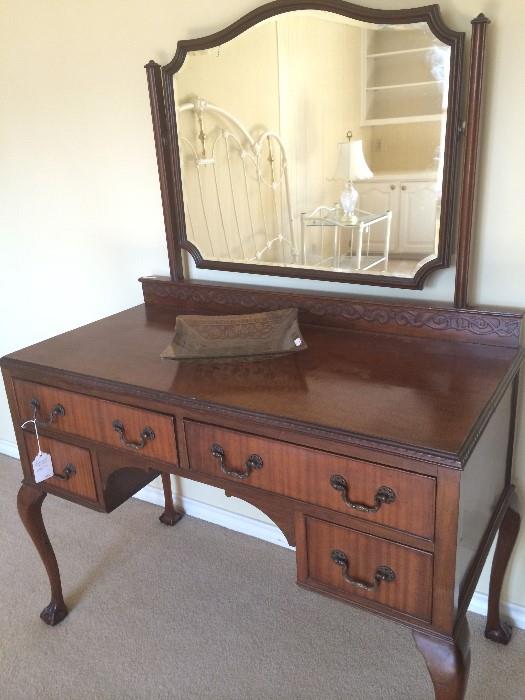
point(269, 533)
point(9, 448)
point(219, 516)
point(514, 613)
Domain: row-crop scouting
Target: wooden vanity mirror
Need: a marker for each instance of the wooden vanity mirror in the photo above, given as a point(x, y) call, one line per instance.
point(316, 139)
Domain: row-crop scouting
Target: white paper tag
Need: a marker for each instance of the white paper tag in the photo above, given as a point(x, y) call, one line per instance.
point(42, 467)
point(298, 342)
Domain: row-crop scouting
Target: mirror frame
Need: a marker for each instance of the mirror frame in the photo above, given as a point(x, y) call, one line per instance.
point(163, 108)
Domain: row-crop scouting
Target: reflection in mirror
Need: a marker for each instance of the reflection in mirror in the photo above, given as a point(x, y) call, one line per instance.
point(316, 141)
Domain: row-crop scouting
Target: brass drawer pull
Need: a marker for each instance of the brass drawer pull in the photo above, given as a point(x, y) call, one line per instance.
point(146, 435)
point(253, 462)
point(57, 412)
point(383, 573)
point(69, 471)
point(384, 495)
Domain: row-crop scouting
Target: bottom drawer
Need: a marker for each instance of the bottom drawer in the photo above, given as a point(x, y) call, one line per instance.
point(357, 566)
point(71, 463)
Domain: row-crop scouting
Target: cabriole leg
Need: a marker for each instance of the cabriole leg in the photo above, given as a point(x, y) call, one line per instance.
point(448, 662)
point(496, 630)
point(170, 515)
point(29, 503)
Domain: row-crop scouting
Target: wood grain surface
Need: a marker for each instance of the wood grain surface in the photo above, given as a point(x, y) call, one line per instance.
point(410, 592)
point(93, 418)
point(82, 482)
point(426, 398)
point(304, 474)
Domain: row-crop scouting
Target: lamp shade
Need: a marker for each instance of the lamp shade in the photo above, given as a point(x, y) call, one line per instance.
point(351, 162)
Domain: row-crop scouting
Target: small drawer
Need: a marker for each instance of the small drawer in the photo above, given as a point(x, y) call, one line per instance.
point(144, 432)
point(391, 497)
point(72, 464)
point(359, 567)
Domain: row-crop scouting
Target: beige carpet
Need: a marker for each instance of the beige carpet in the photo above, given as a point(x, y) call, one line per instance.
point(198, 612)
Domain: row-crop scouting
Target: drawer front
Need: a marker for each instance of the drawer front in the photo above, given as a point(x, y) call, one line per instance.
point(93, 419)
point(357, 566)
point(68, 461)
point(378, 494)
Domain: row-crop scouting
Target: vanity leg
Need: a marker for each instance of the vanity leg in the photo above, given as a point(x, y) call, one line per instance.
point(170, 515)
point(497, 630)
point(29, 504)
point(448, 662)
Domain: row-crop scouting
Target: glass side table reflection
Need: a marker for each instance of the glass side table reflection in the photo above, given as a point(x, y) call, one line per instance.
point(359, 229)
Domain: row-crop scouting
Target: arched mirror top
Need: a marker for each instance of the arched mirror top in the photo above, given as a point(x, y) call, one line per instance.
point(317, 139)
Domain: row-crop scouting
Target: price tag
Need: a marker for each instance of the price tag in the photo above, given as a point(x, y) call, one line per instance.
point(42, 467)
point(42, 464)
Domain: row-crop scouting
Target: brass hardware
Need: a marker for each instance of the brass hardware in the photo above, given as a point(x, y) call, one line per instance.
point(146, 435)
point(384, 495)
point(383, 573)
point(403, 187)
point(202, 134)
point(253, 462)
point(57, 412)
point(69, 471)
point(392, 187)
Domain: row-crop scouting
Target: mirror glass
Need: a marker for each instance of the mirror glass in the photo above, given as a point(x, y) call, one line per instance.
point(316, 141)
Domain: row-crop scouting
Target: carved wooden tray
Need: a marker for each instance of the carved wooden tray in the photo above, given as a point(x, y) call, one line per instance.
point(243, 336)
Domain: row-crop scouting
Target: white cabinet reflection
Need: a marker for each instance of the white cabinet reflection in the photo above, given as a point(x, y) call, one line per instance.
point(261, 120)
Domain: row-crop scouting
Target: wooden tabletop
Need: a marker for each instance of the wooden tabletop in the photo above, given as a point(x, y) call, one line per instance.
point(414, 392)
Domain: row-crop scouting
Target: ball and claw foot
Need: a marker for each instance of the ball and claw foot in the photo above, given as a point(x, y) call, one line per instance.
point(53, 614)
point(170, 518)
point(497, 630)
point(501, 634)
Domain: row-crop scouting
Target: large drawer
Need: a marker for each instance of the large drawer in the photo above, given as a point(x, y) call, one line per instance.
point(145, 432)
point(72, 464)
point(357, 566)
point(392, 497)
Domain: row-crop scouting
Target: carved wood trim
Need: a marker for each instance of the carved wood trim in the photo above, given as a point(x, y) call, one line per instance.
point(474, 326)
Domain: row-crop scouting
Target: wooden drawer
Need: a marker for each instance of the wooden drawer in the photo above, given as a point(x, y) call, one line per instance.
point(337, 560)
point(93, 419)
point(317, 477)
point(68, 460)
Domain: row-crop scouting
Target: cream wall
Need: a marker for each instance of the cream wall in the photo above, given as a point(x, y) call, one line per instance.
point(80, 211)
point(310, 127)
point(240, 77)
point(405, 148)
point(269, 79)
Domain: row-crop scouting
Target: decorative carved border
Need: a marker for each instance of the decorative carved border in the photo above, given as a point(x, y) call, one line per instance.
point(467, 325)
point(165, 129)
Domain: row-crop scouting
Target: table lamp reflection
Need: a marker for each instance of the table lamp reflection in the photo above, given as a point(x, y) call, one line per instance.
point(351, 165)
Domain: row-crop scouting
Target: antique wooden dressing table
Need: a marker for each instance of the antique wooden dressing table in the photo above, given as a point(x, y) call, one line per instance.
point(383, 451)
